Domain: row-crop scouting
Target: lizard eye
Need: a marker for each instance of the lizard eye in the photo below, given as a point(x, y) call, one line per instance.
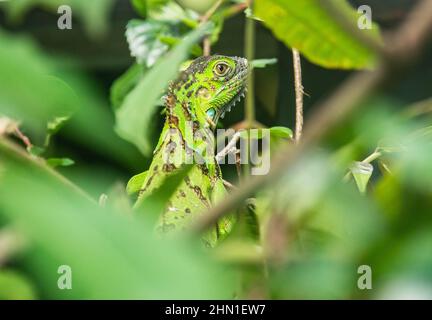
point(221, 69)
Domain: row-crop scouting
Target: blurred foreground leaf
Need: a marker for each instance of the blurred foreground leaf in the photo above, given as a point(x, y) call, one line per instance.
point(14, 286)
point(94, 13)
point(36, 91)
point(111, 256)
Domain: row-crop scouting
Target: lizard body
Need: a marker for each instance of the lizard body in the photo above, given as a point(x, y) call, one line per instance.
point(195, 101)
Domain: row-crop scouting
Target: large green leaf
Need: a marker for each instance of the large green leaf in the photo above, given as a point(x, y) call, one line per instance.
point(134, 117)
point(110, 254)
point(308, 27)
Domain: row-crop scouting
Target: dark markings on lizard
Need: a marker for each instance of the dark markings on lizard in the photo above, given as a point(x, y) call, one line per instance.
point(197, 191)
point(171, 146)
point(196, 126)
point(218, 172)
point(204, 169)
point(173, 120)
point(186, 110)
point(188, 84)
point(168, 167)
point(170, 101)
point(147, 184)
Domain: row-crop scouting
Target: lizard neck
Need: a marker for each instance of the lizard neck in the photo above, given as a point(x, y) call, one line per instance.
point(185, 117)
point(183, 112)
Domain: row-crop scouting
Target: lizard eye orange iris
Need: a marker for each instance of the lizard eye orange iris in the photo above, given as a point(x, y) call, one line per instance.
point(221, 69)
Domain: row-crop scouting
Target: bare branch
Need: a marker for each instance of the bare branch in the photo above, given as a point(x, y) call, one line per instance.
point(228, 148)
point(298, 93)
point(204, 19)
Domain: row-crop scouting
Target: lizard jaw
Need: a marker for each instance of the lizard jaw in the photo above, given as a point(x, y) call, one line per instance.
point(232, 103)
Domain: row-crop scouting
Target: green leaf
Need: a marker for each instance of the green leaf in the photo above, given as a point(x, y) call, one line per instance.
point(361, 171)
point(140, 7)
point(143, 40)
point(62, 162)
point(281, 132)
point(136, 182)
point(112, 255)
point(308, 27)
point(14, 286)
point(262, 63)
point(53, 127)
point(275, 132)
point(36, 151)
point(124, 84)
point(250, 15)
point(33, 96)
point(134, 117)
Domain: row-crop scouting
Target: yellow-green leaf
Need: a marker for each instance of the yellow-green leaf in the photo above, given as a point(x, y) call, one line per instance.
point(308, 27)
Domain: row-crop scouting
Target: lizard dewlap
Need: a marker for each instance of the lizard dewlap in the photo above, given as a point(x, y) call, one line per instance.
point(203, 93)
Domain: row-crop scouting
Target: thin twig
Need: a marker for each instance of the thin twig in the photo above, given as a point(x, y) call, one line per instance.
point(206, 17)
point(10, 150)
point(228, 148)
point(23, 138)
point(298, 93)
point(250, 55)
point(415, 31)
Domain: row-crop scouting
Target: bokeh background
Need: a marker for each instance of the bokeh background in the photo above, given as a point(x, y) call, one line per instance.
point(331, 228)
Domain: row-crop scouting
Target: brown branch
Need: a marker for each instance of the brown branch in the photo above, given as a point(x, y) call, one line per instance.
point(299, 94)
point(414, 31)
point(23, 138)
point(206, 17)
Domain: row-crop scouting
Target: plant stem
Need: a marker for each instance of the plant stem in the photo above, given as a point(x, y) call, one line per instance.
point(250, 98)
point(299, 94)
point(250, 54)
point(206, 17)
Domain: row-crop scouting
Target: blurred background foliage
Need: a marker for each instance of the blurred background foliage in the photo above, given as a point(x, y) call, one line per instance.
point(80, 114)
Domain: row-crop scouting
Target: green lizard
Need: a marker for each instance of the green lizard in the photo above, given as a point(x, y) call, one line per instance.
point(201, 95)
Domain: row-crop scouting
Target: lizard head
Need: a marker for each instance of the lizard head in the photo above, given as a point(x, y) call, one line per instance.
point(214, 84)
